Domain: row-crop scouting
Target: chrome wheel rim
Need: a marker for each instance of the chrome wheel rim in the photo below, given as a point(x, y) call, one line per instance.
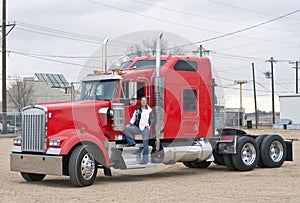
point(87, 166)
point(248, 154)
point(276, 151)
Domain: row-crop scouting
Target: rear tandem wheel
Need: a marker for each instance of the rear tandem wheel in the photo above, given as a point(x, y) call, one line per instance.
point(246, 157)
point(273, 151)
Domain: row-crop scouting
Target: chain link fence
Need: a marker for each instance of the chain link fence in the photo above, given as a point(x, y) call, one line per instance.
point(14, 120)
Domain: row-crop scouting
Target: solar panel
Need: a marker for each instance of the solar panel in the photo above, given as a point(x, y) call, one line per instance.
point(53, 80)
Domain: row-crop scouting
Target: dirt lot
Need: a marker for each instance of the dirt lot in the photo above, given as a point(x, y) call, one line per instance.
point(175, 184)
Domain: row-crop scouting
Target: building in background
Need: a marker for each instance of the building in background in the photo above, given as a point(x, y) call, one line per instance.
point(27, 91)
point(289, 112)
point(36, 91)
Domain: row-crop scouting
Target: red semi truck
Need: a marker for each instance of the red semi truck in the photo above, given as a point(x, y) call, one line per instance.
point(77, 138)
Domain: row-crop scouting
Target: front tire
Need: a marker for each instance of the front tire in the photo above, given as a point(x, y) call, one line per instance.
point(32, 177)
point(82, 166)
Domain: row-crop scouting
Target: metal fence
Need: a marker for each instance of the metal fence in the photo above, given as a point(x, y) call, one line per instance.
point(14, 120)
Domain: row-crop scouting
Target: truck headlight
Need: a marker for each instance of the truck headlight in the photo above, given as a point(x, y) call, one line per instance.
point(119, 137)
point(17, 141)
point(54, 143)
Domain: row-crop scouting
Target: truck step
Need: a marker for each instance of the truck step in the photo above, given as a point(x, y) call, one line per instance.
point(138, 166)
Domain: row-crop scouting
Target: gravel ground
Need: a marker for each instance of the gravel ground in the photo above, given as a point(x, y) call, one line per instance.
point(174, 184)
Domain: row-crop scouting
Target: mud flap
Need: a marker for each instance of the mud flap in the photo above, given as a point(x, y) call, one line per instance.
point(289, 150)
point(107, 171)
point(117, 160)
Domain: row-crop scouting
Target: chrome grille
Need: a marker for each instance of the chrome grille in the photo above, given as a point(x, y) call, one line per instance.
point(34, 129)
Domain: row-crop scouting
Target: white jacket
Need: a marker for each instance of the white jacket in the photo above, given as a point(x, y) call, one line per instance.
point(146, 117)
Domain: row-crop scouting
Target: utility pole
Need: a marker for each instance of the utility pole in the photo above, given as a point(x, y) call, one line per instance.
point(201, 48)
point(296, 74)
point(255, 102)
point(273, 97)
point(4, 104)
point(296, 77)
point(241, 82)
point(201, 51)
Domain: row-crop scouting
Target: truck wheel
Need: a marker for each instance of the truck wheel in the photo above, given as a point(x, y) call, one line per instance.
point(219, 158)
point(247, 154)
point(273, 151)
point(188, 164)
point(82, 167)
point(201, 164)
point(258, 141)
point(197, 164)
point(228, 162)
point(32, 177)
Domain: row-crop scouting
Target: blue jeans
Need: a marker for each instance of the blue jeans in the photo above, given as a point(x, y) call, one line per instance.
point(131, 131)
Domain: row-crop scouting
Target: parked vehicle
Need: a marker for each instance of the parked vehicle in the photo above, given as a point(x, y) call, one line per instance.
point(10, 128)
point(77, 138)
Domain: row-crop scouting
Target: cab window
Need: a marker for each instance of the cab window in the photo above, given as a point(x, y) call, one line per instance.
point(189, 100)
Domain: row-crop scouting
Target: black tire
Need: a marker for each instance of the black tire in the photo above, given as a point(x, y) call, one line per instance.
point(33, 177)
point(258, 141)
point(273, 151)
point(228, 162)
point(82, 167)
point(247, 154)
point(219, 158)
point(187, 164)
point(197, 164)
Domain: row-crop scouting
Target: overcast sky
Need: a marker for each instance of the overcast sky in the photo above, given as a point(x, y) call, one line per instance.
point(55, 36)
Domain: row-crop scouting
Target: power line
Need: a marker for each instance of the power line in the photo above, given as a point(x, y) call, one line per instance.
point(60, 36)
point(194, 27)
point(66, 35)
point(151, 17)
point(241, 8)
point(59, 56)
point(244, 29)
point(186, 13)
point(244, 9)
point(199, 16)
point(53, 60)
point(37, 27)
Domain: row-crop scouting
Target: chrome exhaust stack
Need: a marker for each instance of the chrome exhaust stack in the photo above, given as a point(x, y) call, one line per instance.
point(158, 95)
point(104, 54)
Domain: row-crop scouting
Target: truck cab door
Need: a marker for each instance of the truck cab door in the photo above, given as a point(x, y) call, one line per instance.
point(190, 112)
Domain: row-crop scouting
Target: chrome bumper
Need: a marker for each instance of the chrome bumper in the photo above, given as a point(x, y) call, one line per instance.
point(40, 164)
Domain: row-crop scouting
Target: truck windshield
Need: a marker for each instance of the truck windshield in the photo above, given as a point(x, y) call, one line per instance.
point(99, 90)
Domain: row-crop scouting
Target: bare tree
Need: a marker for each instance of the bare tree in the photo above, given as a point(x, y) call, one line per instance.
point(147, 47)
point(21, 94)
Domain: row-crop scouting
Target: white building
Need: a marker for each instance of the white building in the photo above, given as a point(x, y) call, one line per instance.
point(290, 107)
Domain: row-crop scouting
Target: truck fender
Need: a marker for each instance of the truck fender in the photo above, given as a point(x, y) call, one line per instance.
point(72, 138)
